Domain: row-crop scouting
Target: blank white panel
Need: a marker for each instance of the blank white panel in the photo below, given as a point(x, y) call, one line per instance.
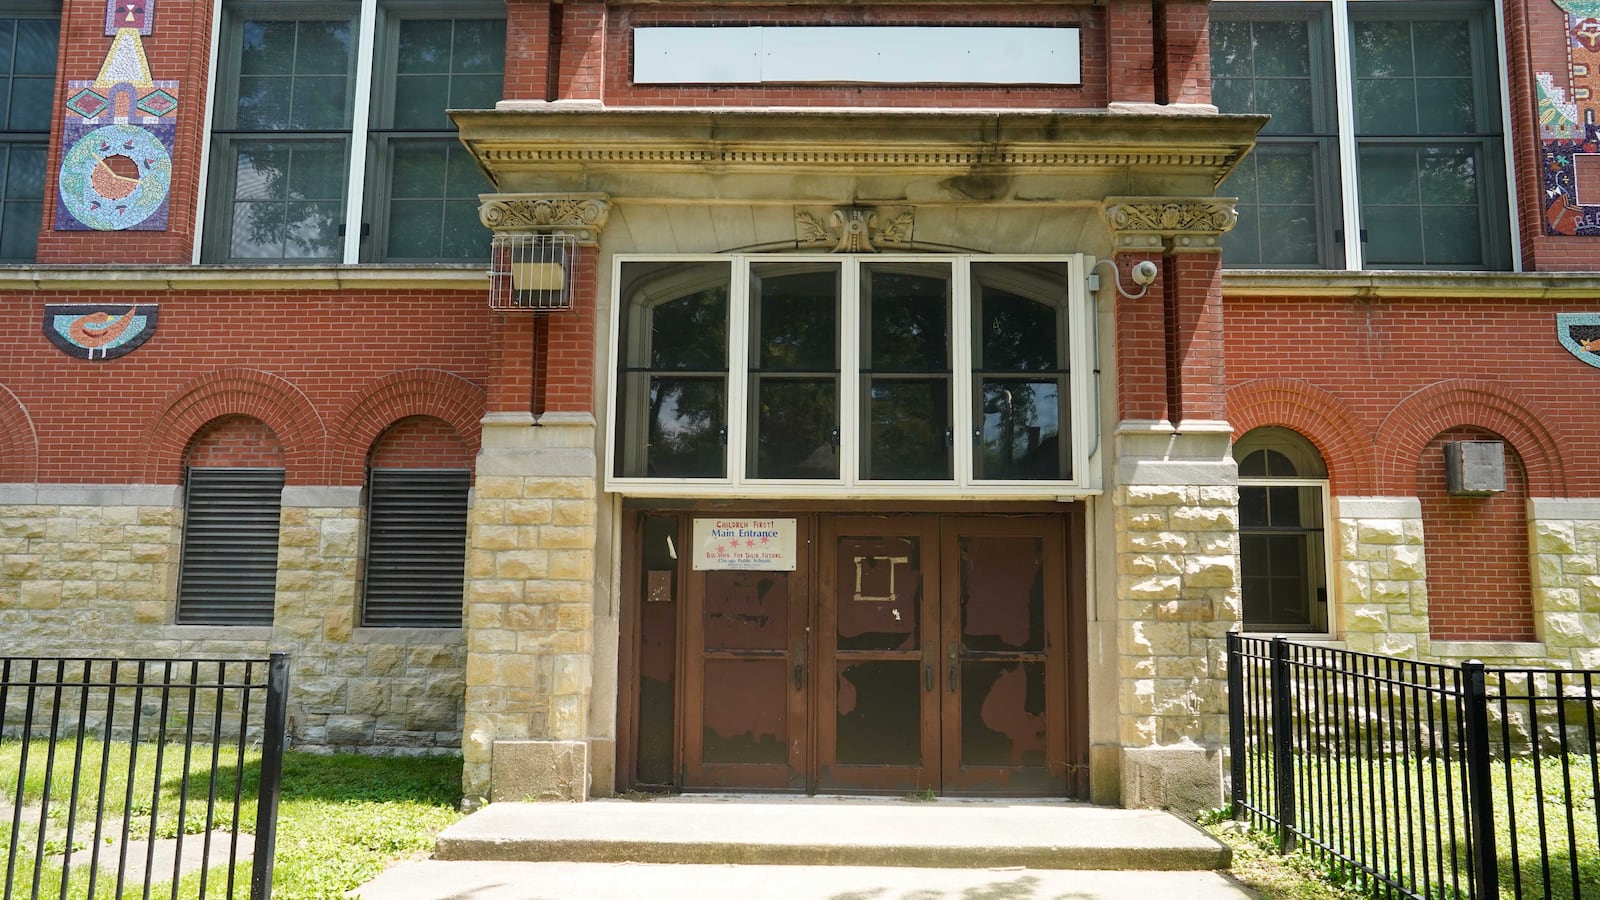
point(856, 54)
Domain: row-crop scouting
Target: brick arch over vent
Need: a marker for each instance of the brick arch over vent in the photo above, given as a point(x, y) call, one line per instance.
point(1321, 417)
point(19, 444)
point(225, 392)
point(411, 392)
point(1445, 405)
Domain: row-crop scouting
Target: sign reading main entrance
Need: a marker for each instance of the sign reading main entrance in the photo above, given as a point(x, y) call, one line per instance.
point(744, 545)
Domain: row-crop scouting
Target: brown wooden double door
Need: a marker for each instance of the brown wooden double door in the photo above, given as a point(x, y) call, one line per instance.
point(902, 654)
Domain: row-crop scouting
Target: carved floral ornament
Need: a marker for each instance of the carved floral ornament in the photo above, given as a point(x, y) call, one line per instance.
point(1186, 223)
point(854, 229)
point(580, 215)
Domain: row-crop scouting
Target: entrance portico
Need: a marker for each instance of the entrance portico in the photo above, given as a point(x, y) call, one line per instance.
point(1143, 586)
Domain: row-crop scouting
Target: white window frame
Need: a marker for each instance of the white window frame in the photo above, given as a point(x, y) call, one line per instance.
point(1344, 97)
point(1082, 378)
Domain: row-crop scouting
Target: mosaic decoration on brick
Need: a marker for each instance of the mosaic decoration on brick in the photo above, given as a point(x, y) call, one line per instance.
point(99, 330)
point(1580, 334)
point(118, 130)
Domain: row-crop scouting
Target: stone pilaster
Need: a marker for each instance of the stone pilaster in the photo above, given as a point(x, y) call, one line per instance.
point(1383, 589)
point(530, 609)
point(1176, 509)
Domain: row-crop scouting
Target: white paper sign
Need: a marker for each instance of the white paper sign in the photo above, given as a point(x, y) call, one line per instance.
point(749, 545)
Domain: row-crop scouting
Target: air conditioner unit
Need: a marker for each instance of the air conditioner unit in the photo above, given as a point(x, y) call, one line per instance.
point(531, 272)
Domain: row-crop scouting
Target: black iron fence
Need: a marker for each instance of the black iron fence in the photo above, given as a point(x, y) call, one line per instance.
point(1417, 779)
point(140, 775)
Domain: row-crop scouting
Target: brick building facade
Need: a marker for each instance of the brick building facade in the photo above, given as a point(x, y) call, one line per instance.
point(759, 271)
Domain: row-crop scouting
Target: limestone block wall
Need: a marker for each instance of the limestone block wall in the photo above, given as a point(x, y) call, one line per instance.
point(1383, 592)
point(1566, 579)
point(92, 570)
point(1177, 583)
point(1382, 578)
point(531, 535)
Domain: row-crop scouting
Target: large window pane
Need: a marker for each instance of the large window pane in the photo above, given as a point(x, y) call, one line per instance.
point(1422, 205)
point(1019, 378)
point(794, 378)
point(433, 205)
point(27, 87)
point(905, 357)
point(672, 399)
point(288, 200)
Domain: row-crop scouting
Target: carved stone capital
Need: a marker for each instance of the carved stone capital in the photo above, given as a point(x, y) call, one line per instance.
point(854, 229)
point(1185, 224)
point(580, 215)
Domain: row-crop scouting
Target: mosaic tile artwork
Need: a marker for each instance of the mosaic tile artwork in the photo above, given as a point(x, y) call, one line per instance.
point(118, 131)
point(99, 331)
point(1580, 334)
point(1569, 126)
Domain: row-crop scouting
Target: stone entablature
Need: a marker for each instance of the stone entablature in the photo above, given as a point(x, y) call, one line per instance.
point(581, 215)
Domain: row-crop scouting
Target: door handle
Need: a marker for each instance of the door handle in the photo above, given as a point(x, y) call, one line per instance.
point(927, 678)
point(955, 676)
point(799, 676)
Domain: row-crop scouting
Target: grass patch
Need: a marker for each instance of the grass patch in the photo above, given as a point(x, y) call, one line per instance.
point(341, 818)
point(1257, 864)
point(1547, 837)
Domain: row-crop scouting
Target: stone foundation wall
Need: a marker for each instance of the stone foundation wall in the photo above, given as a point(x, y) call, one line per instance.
point(92, 570)
point(1383, 591)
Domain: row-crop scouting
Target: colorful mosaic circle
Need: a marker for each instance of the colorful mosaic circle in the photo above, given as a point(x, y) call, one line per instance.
point(116, 176)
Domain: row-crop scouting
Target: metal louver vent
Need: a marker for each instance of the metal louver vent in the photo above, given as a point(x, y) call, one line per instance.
point(229, 569)
point(416, 547)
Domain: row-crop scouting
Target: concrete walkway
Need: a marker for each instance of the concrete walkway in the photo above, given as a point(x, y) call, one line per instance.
point(808, 848)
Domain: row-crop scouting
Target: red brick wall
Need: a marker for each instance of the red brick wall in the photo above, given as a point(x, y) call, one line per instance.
point(618, 67)
point(1372, 382)
point(235, 442)
point(1479, 587)
point(421, 442)
point(178, 50)
point(326, 371)
point(1142, 338)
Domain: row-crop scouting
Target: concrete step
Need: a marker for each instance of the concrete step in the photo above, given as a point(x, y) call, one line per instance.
point(818, 831)
point(438, 880)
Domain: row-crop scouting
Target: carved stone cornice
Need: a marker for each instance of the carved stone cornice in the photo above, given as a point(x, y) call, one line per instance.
point(854, 229)
point(580, 215)
point(1183, 224)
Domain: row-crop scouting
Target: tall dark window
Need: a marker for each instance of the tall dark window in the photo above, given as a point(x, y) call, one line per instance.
point(1283, 556)
point(1423, 182)
point(292, 144)
point(29, 33)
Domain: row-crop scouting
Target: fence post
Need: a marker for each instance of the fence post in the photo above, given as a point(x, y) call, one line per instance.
point(1480, 785)
point(272, 742)
point(1283, 745)
point(1236, 749)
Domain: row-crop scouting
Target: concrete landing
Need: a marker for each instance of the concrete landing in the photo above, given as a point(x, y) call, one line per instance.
point(813, 831)
point(436, 880)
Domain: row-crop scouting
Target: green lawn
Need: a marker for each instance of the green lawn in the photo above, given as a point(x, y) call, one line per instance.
point(341, 818)
point(1536, 811)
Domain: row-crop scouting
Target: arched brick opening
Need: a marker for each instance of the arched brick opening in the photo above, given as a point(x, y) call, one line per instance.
point(1418, 419)
point(413, 392)
point(1317, 415)
point(1479, 584)
point(420, 442)
point(225, 392)
point(235, 442)
point(19, 444)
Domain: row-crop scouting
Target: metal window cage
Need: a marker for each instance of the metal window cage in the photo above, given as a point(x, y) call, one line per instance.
point(531, 272)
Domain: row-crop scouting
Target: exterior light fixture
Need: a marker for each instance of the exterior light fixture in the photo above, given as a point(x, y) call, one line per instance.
point(1143, 274)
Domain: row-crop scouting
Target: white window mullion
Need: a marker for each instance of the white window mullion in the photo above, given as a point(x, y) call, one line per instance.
point(850, 436)
point(1084, 424)
point(1345, 109)
point(962, 390)
point(737, 451)
point(366, 44)
point(1507, 147)
point(205, 146)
